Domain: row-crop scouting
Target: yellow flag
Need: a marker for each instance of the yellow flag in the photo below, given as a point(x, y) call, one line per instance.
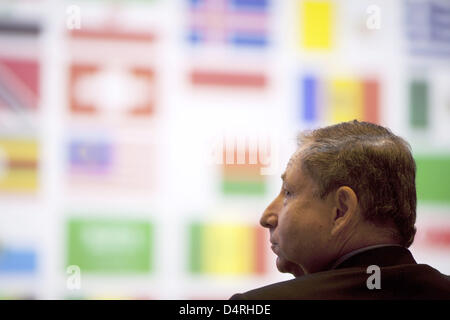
point(346, 101)
point(229, 249)
point(317, 24)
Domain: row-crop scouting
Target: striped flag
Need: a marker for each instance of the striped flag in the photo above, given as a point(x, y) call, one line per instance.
point(427, 27)
point(226, 249)
point(354, 99)
point(433, 178)
point(346, 100)
point(349, 98)
point(243, 179)
point(19, 84)
point(19, 74)
point(242, 176)
point(18, 165)
point(110, 246)
point(241, 23)
point(102, 164)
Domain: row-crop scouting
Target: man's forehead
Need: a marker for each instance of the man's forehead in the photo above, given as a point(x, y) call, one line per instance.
point(292, 168)
point(294, 160)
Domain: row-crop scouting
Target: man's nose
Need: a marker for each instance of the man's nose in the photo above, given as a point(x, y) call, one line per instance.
point(269, 218)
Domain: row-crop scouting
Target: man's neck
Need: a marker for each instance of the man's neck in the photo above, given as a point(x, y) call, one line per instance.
point(357, 251)
point(358, 243)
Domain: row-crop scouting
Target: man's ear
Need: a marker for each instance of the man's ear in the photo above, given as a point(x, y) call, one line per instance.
point(345, 207)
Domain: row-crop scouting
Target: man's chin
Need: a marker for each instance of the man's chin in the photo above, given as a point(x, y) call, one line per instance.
point(285, 266)
point(281, 266)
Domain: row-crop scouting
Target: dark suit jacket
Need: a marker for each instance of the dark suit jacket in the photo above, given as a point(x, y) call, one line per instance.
point(401, 278)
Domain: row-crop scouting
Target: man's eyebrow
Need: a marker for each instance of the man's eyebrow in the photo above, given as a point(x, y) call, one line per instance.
point(285, 184)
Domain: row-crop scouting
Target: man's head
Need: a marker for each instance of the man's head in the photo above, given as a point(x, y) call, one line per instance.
point(347, 186)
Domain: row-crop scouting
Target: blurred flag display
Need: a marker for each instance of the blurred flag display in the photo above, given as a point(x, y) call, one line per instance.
point(23, 30)
point(110, 246)
point(17, 260)
point(110, 107)
point(437, 236)
point(428, 27)
point(19, 84)
point(346, 100)
point(241, 171)
point(120, 37)
point(243, 179)
point(90, 158)
point(103, 163)
point(20, 73)
point(418, 103)
point(241, 23)
point(433, 178)
point(228, 79)
point(226, 249)
point(225, 24)
point(120, 85)
point(18, 165)
point(310, 95)
point(340, 99)
point(122, 91)
point(316, 20)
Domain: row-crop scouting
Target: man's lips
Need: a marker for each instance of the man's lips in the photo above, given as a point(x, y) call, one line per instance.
point(274, 248)
point(274, 244)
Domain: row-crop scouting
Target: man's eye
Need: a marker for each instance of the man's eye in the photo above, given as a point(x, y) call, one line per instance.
point(287, 193)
